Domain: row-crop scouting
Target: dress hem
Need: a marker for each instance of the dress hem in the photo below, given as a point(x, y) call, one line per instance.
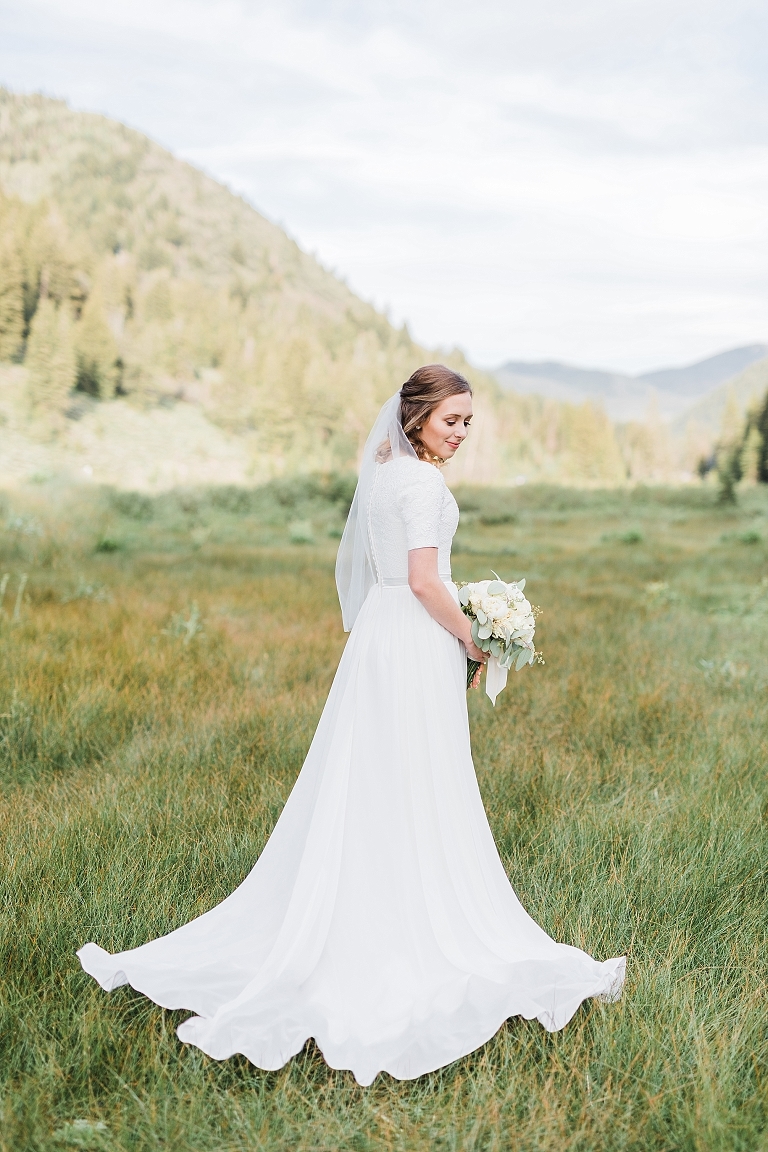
point(608, 989)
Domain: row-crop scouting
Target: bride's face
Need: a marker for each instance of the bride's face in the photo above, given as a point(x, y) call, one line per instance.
point(448, 425)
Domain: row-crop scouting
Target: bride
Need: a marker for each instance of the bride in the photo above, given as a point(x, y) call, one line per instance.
point(378, 919)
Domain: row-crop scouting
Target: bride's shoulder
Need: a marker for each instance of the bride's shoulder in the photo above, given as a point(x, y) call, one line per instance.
point(407, 475)
point(414, 481)
point(408, 467)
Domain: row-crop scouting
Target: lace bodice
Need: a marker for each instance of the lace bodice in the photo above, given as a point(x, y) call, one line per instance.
point(411, 507)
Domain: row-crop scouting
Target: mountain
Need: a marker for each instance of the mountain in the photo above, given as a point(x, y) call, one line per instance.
point(670, 391)
point(739, 393)
point(155, 329)
point(695, 380)
point(617, 393)
point(172, 290)
point(559, 381)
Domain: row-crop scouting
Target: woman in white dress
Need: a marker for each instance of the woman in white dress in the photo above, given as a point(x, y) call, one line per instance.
point(378, 919)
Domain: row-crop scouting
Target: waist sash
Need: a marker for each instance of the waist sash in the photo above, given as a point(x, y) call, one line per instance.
point(402, 581)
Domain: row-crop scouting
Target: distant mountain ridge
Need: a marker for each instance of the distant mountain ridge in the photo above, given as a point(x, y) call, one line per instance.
point(739, 392)
point(567, 375)
point(695, 380)
point(626, 397)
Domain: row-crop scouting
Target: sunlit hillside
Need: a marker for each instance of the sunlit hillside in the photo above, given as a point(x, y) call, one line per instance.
point(156, 330)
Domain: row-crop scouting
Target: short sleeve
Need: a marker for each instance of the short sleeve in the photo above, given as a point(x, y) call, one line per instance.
point(420, 503)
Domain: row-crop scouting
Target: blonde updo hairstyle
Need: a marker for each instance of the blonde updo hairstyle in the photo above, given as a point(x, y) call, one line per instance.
point(421, 394)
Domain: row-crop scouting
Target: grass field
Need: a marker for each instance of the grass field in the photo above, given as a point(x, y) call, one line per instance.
point(153, 720)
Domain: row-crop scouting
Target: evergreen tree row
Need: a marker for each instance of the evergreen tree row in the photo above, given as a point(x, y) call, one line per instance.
point(52, 318)
point(743, 457)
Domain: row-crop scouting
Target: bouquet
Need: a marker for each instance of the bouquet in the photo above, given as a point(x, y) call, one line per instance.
point(503, 625)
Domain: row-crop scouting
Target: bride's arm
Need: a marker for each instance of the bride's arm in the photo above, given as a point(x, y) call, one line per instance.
point(427, 587)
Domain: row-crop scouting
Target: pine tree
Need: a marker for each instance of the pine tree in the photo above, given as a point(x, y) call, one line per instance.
point(50, 361)
point(729, 453)
point(762, 427)
point(11, 302)
point(51, 266)
point(96, 351)
point(592, 447)
point(749, 459)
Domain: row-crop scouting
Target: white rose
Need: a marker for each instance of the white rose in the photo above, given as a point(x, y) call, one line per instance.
point(495, 607)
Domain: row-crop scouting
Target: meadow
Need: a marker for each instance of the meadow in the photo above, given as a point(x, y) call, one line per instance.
point(155, 707)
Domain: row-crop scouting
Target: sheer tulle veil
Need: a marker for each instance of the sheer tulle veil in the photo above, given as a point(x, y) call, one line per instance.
point(355, 570)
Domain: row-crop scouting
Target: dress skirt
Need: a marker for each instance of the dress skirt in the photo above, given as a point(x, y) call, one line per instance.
point(378, 919)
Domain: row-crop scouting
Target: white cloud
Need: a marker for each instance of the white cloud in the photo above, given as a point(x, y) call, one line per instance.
point(577, 181)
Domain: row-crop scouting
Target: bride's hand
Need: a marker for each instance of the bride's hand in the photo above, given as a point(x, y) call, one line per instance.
point(475, 653)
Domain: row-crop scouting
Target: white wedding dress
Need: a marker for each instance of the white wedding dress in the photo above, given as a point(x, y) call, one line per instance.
point(378, 919)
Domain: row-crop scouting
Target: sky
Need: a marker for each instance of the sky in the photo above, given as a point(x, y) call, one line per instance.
point(585, 182)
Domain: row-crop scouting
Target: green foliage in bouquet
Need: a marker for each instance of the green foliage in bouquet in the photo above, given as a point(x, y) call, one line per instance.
point(502, 623)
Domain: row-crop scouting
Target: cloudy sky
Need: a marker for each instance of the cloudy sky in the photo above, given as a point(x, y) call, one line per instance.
point(580, 181)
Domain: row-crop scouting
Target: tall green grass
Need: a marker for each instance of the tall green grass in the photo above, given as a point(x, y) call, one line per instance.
point(152, 722)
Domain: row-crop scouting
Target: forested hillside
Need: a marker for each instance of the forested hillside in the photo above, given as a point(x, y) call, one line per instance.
point(154, 328)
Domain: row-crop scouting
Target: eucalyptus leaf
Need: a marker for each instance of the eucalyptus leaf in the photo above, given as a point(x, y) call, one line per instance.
point(522, 659)
point(485, 630)
point(464, 596)
point(520, 584)
point(481, 616)
point(476, 632)
point(496, 648)
point(496, 588)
